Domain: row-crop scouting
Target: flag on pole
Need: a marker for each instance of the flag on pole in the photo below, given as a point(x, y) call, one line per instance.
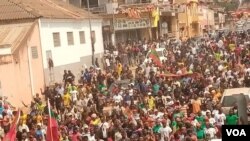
point(155, 57)
point(11, 135)
point(52, 128)
point(156, 16)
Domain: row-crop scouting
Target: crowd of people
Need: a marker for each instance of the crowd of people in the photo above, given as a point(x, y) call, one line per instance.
point(152, 106)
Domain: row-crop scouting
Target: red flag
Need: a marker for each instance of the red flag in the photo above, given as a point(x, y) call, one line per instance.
point(155, 57)
point(52, 129)
point(11, 135)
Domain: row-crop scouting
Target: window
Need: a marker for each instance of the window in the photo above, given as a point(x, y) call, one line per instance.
point(70, 38)
point(34, 52)
point(82, 37)
point(56, 38)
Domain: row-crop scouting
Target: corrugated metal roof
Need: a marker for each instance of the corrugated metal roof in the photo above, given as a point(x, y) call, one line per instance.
point(14, 34)
point(53, 9)
point(11, 11)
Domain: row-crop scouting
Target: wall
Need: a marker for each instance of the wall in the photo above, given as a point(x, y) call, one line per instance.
point(65, 56)
point(174, 27)
point(15, 77)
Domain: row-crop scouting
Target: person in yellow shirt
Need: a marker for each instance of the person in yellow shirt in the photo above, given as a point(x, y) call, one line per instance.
point(39, 118)
point(23, 117)
point(216, 95)
point(151, 102)
point(96, 121)
point(66, 99)
point(40, 106)
point(119, 68)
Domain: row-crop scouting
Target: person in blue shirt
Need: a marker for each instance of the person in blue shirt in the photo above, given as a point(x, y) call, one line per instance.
point(1, 109)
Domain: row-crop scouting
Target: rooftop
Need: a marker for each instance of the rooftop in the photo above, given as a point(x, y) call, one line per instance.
point(12, 35)
point(26, 9)
point(11, 11)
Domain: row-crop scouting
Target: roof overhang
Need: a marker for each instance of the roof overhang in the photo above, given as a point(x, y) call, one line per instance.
point(12, 36)
point(5, 49)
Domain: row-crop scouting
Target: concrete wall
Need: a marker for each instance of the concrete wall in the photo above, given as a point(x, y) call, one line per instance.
point(65, 55)
point(18, 82)
point(74, 67)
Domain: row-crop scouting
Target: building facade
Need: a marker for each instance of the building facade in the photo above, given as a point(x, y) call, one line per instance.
point(68, 38)
point(21, 66)
point(120, 22)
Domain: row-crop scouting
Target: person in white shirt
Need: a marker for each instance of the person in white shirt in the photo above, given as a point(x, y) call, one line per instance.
point(165, 131)
point(104, 126)
point(91, 136)
point(169, 101)
point(210, 131)
point(60, 89)
point(117, 98)
point(220, 118)
point(211, 118)
point(74, 94)
point(23, 126)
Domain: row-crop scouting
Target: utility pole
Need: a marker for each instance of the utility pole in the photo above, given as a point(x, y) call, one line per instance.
point(91, 36)
point(113, 30)
point(207, 21)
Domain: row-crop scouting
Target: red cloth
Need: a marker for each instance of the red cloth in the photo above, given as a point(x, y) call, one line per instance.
point(52, 130)
point(11, 135)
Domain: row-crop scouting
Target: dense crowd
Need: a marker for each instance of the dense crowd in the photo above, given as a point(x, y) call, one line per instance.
point(152, 106)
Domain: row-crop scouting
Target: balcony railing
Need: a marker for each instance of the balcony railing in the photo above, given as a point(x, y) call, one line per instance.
point(127, 2)
point(98, 10)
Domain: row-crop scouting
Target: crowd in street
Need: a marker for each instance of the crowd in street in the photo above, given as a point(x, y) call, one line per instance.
point(153, 106)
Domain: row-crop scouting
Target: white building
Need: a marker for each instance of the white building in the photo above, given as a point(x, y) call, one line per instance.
point(65, 37)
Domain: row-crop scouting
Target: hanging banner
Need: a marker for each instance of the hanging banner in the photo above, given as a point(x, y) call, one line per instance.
point(124, 24)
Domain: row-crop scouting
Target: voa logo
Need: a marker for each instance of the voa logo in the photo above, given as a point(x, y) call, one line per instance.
point(236, 132)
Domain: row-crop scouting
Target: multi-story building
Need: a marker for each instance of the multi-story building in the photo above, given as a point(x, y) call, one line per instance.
point(197, 18)
point(125, 20)
point(219, 18)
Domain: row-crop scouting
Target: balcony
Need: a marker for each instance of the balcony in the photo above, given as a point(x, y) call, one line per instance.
point(108, 8)
point(125, 2)
point(98, 10)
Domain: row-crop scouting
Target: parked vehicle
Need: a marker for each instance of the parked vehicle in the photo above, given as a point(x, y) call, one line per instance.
point(237, 97)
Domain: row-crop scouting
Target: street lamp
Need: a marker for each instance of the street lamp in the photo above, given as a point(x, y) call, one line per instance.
point(91, 36)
